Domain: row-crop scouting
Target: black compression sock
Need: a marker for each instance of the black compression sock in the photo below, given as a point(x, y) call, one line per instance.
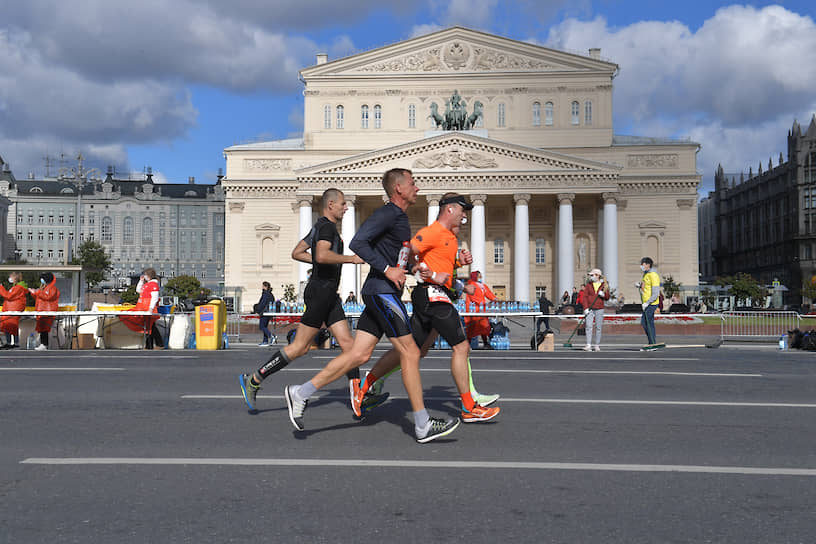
point(278, 361)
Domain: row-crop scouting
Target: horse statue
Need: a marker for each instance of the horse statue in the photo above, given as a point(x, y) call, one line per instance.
point(439, 121)
point(478, 110)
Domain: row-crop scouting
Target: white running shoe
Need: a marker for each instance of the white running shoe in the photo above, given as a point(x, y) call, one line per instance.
point(587, 348)
point(41, 347)
point(597, 348)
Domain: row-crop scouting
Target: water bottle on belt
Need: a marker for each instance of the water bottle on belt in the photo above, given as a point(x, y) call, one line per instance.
point(402, 258)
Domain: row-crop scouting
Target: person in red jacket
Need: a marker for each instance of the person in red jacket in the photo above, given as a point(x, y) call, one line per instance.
point(15, 301)
point(46, 299)
point(478, 326)
point(595, 293)
point(148, 289)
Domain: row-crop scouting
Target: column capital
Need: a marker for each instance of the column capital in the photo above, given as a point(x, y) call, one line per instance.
point(350, 199)
point(386, 198)
point(522, 198)
point(610, 198)
point(304, 200)
point(478, 200)
point(433, 200)
point(236, 207)
point(569, 197)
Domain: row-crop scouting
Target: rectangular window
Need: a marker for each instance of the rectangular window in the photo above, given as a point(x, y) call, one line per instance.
point(30, 235)
point(548, 113)
point(326, 116)
point(501, 118)
point(587, 112)
point(50, 236)
point(340, 115)
point(539, 291)
point(540, 251)
point(61, 236)
point(536, 114)
point(498, 251)
point(575, 113)
point(411, 116)
point(377, 116)
point(19, 235)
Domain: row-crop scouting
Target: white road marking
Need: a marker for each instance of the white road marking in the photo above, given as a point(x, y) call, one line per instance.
point(544, 358)
point(542, 371)
point(363, 463)
point(551, 401)
point(79, 369)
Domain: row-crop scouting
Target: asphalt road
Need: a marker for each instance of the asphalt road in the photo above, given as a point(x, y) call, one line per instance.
point(682, 445)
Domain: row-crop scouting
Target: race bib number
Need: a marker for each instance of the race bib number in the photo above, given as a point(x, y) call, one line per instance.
point(438, 294)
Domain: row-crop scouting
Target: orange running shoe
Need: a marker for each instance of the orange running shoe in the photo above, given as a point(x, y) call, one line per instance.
point(479, 413)
point(355, 397)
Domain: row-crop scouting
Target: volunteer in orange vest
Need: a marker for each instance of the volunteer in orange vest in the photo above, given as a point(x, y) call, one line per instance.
point(46, 299)
point(148, 289)
point(478, 326)
point(15, 301)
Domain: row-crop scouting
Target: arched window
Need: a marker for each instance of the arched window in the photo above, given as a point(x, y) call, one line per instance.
point(326, 116)
point(339, 116)
point(107, 229)
point(536, 114)
point(411, 116)
point(588, 112)
point(377, 116)
point(147, 230)
point(127, 230)
point(364, 116)
point(501, 120)
point(548, 114)
point(498, 251)
point(576, 112)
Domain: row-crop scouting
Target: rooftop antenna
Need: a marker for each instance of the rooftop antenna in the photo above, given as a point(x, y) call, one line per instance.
point(49, 162)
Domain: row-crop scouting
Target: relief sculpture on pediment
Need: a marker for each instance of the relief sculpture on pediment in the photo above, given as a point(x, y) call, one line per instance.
point(455, 158)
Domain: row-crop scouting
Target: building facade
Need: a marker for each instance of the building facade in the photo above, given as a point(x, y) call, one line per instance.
point(178, 229)
point(524, 131)
point(764, 224)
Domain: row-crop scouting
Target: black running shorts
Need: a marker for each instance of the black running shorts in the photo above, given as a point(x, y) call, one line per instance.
point(322, 305)
point(384, 314)
point(441, 316)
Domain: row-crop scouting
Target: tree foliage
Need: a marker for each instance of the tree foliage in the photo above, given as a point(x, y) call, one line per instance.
point(743, 287)
point(95, 262)
point(671, 287)
point(130, 296)
point(809, 290)
point(289, 293)
point(709, 297)
point(183, 287)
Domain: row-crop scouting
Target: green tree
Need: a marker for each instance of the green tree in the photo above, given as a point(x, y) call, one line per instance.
point(809, 290)
point(743, 287)
point(130, 296)
point(709, 297)
point(95, 262)
point(183, 287)
point(671, 287)
point(289, 294)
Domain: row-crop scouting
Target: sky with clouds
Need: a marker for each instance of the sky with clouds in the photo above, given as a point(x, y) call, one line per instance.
point(171, 84)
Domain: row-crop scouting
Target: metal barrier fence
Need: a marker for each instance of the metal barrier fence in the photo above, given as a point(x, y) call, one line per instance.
point(234, 326)
point(757, 325)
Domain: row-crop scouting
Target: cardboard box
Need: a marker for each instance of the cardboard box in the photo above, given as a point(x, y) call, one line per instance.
point(548, 344)
point(83, 341)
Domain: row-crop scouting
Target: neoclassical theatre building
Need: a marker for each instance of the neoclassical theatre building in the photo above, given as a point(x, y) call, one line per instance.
point(524, 131)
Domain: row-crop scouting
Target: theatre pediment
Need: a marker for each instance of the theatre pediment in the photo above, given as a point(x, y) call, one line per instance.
point(458, 50)
point(458, 152)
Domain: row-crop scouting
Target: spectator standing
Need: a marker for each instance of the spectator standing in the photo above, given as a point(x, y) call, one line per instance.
point(478, 326)
point(46, 299)
point(649, 287)
point(594, 294)
point(545, 306)
point(15, 301)
point(264, 304)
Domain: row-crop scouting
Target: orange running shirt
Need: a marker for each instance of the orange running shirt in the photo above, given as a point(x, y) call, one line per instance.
point(437, 246)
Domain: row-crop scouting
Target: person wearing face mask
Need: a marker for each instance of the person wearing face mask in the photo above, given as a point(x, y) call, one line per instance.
point(46, 299)
point(14, 301)
point(649, 287)
point(478, 326)
point(594, 294)
point(148, 289)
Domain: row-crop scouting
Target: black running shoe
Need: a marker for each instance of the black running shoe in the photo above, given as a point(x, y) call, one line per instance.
point(436, 428)
point(249, 390)
point(371, 401)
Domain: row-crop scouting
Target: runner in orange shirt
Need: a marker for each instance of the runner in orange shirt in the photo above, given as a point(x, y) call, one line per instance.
point(478, 326)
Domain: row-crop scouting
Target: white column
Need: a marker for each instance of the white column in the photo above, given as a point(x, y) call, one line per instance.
point(305, 222)
point(610, 250)
point(348, 278)
point(521, 249)
point(566, 245)
point(433, 207)
point(477, 233)
point(599, 253)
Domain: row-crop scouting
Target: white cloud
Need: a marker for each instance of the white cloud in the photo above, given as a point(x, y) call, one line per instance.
point(735, 85)
point(421, 30)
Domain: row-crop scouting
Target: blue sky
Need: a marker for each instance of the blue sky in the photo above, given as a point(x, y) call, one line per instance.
point(170, 85)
